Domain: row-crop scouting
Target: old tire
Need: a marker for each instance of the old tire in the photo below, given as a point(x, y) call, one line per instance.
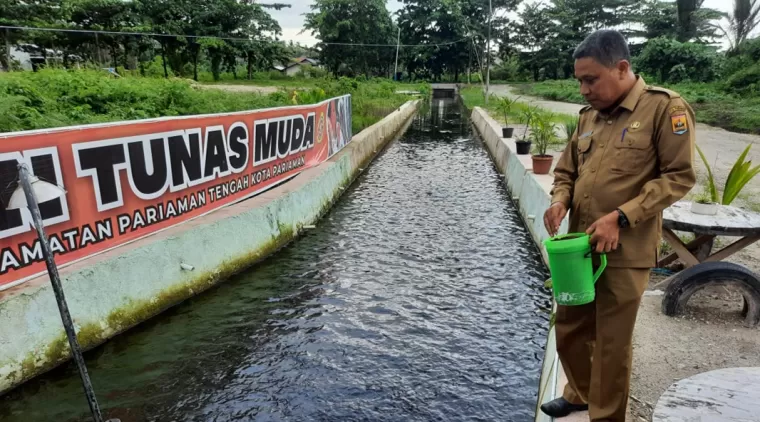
point(691, 280)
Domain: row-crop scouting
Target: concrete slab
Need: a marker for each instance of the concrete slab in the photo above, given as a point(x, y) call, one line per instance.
point(723, 395)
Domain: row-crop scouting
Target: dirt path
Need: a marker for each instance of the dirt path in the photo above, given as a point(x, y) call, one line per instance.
point(555, 106)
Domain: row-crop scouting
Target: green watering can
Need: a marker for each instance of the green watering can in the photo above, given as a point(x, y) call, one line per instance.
point(573, 276)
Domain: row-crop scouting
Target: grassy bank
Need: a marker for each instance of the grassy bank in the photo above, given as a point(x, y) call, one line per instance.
point(712, 105)
point(54, 98)
point(472, 96)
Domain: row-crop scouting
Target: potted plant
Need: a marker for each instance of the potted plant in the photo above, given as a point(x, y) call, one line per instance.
point(741, 174)
point(523, 144)
point(505, 107)
point(543, 133)
point(704, 205)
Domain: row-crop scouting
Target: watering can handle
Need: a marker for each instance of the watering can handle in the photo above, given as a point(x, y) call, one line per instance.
point(602, 266)
point(603, 263)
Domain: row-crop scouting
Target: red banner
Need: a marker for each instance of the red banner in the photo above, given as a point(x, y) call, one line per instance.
point(127, 180)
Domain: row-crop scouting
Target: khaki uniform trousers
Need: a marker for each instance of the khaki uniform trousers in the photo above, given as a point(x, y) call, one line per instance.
point(594, 343)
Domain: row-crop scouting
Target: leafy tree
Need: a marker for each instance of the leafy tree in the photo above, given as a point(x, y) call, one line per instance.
point(694, 21)
point(342, 26)
point(671, 61)
point(298, 50)
point(451, 34)
point(744, 19)
point(36, 13)
point(684, 22)
point(535, 33)
point(574, 20)
point(104, 15)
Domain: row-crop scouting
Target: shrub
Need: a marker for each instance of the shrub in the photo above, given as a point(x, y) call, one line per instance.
point(745, 80)
point(54, 98)
point(672, 61)
point(508, 70)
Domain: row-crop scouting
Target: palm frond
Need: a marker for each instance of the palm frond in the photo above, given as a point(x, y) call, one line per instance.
point(741, 174)
point(710, 179)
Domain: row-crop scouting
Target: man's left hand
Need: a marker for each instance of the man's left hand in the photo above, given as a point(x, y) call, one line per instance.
point(605, 233)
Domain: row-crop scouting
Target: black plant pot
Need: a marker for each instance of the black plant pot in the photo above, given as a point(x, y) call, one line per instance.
point(506, 132)
point(523, 147)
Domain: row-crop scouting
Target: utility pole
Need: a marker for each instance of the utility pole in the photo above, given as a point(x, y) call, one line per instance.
point(488, 51)
point(398, 42)
point(469, 60)
point(8, 50)
point(100, 54)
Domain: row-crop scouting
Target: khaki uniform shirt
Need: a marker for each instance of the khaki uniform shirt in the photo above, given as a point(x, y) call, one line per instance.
point(639, 159)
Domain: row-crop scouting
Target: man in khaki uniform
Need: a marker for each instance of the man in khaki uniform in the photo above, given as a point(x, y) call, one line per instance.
point(630, 158)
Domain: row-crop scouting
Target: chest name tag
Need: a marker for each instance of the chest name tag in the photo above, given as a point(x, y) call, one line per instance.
point(586, 135)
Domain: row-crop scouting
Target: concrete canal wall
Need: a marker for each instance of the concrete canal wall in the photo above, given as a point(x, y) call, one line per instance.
point(114, 291)
point(531, 194)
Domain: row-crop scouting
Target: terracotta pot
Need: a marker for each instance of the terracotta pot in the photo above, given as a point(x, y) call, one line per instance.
point(542, 164)
point(506, 132)
point(523, 147)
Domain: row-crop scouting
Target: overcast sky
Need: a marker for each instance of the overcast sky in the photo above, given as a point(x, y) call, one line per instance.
point(291, 20)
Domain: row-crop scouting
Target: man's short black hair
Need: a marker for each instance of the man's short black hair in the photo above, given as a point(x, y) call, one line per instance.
point(606, 46)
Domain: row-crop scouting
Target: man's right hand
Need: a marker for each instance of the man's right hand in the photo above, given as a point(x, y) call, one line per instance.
point(553, 217)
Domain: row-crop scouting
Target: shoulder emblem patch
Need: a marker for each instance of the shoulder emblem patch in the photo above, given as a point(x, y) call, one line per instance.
point(679, 123)
point(676, 109)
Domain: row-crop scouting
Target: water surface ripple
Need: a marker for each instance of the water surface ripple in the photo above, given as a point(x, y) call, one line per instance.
point(418, 298)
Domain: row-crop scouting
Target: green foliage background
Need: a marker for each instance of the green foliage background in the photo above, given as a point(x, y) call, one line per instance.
point(55, 97)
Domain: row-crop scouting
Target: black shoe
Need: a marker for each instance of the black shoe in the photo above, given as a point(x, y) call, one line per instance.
point(560, 407)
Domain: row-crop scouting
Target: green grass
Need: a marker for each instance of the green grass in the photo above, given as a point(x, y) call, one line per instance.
point(563, 90)
point(473, 96)
point(55, 97)
point(712, 105)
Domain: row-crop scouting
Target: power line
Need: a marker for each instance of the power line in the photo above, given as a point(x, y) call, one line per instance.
point(154, 34)
point(400, 45)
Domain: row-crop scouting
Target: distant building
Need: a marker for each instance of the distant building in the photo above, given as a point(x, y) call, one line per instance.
point(23, 58)
point(31, 57)
point(297, 65)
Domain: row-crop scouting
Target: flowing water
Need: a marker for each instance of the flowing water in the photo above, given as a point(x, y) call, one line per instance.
point(418, 298)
